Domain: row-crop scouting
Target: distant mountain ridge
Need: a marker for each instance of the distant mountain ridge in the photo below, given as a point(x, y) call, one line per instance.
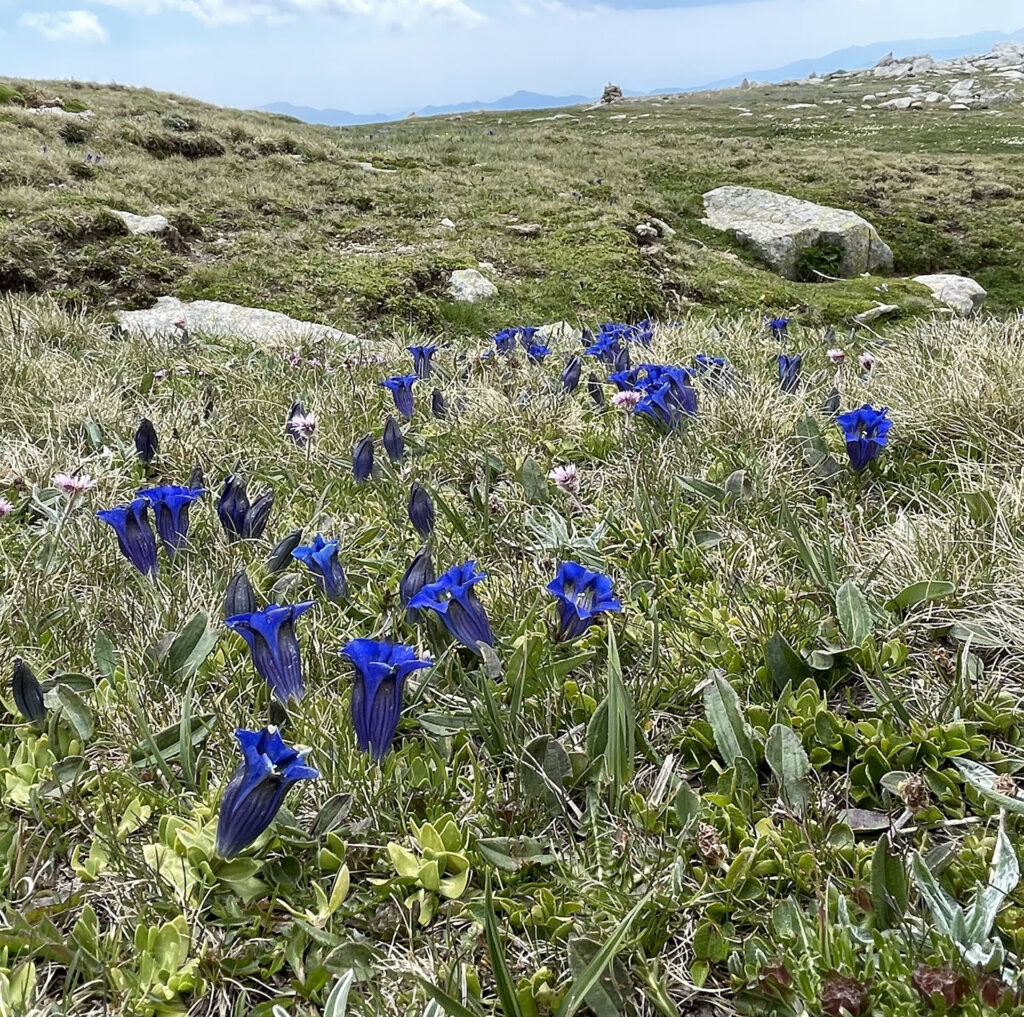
point(851, 59)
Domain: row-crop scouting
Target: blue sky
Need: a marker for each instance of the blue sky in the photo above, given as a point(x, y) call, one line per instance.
point(383, 55)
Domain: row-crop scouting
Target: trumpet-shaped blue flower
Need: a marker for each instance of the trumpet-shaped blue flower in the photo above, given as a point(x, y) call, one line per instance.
point(240, 519)
point(605, 347)
point(789, 371)
point(421, 358)
point(170, 506)
point(582, 597)
point(866, 432)
point(669, 395)
point(321, 558)
point(453, 599)
point(257, 788)
point(400, 388)
point(270, 633)
point(362, 459)
point(536, 352)
point(381, 670)
point(778, 327)
point(135, 535)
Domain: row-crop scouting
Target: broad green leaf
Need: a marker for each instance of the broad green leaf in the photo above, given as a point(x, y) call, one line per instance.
point(104, 655)
point(191, 646)
point(977, 635)
point(167, 743)
point(724, 714)
point(620, 749)
point(785, 755)
point(815, 449)
point(984, 780)
point(946, 913)
point(1003, 876)
point(605, 998)
point(533, 481)
point(785, 665)
point(854, 613)
point(920, 593)
point(337, 1001)
point(687, 806)
point(512, 854)
point(703, 489)
point(77, 710)
point(544, 768)
point(889, 885)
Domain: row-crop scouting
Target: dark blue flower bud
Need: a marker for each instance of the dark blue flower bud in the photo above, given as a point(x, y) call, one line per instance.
point(28, 693)
point(135, 535)
point(258, 516)
point(257, 788)
point(380, 673)
point(421, 510)
point(197, 479)
point(789, 372)
point(281, 557)
point(571, 374)
point(401, 390)
point(321, 558)
point(362, 459)
point(596, 391)
point(233, 506)
point(274, 648)
point(146, 442)
point(394, 442)
point(239, 597)
point(438, 405)
point(452, 598)
point(420, 573)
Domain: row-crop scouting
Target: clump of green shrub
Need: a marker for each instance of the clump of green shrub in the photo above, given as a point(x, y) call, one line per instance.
point(163, 144)
point(75, 132)
point(10, 96)
point(180, 124)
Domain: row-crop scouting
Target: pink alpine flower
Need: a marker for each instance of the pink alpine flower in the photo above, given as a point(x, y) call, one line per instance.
point(836, 355)
point(867, 361)
point(73, 484)
point(566, 478)
point(626, 401)
point(6, 508)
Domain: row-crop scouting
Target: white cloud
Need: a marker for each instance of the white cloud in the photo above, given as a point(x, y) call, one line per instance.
point(233, 12)
point(66, 26)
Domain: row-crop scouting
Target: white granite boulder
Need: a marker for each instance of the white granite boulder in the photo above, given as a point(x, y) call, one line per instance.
point(469, 285)
point(778, 229)
point(960, 292)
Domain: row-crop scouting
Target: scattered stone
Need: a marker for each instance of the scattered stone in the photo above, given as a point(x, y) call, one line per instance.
point(368, 167)
point(142, 224)
point(447, 224)
point(59, 111)
point(994, 97)
point(903, 102)
point(874, 313)
point(960, 292)
point(560, 333)
point(663, 227)
point(525, 229)
point(265, 329)
point(958, 106)
point(646, 233)
point(779, 228)
point(962, 89)
point(468, 286)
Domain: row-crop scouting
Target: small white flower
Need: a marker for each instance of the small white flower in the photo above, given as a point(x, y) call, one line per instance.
point(303, 424)
point(73, 484)
point(566, 478)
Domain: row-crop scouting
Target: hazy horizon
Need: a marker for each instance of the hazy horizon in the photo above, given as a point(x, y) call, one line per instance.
point(370, 57)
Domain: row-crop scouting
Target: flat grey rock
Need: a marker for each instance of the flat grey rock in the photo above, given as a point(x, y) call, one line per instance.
point(779, 228)
point(469, 285)
point(142, 224)
point(960, 292)
point(265, 329)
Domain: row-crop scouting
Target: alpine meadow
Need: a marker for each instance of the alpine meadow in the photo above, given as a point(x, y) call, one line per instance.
point(531, 564)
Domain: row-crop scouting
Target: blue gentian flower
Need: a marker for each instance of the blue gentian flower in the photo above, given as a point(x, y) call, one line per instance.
point(257, 788)
point(394, 441)
point(866, 432)
point(707, 364)
point(400, 388)
point(525, 335)
point(421, 510)
point(452, 598)
point(362, 459)
point(505, 340)
point(571, 374)
point(321, 558)
point(606, 348)
point(381, 670)
point(28, 693)
point(170, 505)
point(135, 534)
point(270, 633)
point(420, 573)
point(789, 371)
point(778, 327)
point(582, 596)
point(536, 353)
point(438, 405)
point(669, 395)
point(421, 357)
point(240, 519)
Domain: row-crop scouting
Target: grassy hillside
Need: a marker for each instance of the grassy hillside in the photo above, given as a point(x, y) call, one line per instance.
point(781, 779)
point(278, 213)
